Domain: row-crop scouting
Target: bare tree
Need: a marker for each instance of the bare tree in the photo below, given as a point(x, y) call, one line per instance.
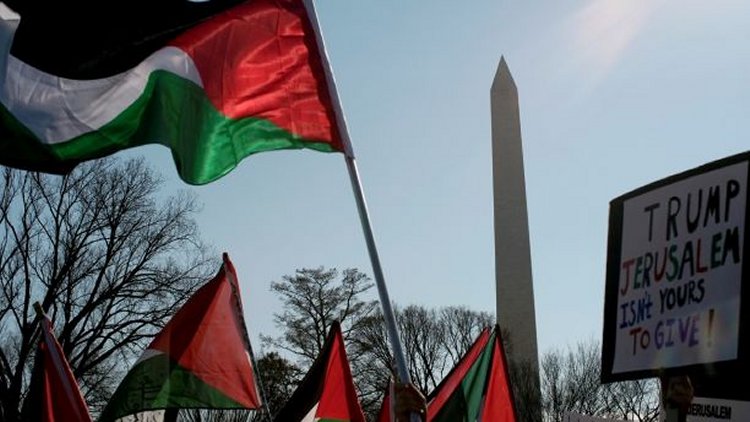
point(570, 383)
point(279, 379)
point(633, 400)
point(461, 326)
point(106, 260)
point(553, 386)
point(423, 336)
point(373, 361)
point(524, 380)
point(313, 299)
point(203, 415)
point(433, 340)
point(200, 415)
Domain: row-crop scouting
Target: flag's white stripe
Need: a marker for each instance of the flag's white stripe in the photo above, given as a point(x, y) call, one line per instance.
point(7, 13)
point(7, 30)
point(57, 109)
point(147, 416)
point(310, 416)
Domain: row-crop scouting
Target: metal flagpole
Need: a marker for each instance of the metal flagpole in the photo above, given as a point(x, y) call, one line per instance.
point(390, 321)
point(385, 302)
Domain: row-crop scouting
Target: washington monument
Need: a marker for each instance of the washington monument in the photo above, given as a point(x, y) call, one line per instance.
point(515, 288)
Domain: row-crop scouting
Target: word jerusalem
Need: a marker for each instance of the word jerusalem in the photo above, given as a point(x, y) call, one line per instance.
point(674, 260)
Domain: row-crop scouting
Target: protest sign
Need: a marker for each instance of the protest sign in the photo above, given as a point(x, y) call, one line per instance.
point(675, 266)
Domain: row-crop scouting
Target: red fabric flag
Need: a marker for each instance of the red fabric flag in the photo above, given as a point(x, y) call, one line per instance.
point(498, 403)
point(207, 337)
point(477, 388)
point(214, 81)
point(452, 382)
point(327, 392)
point(61, 399)
point(201, 359)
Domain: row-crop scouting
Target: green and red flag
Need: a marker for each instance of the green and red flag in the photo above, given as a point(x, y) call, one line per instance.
point(326, 393)
point(477, 388)
point(214, 81)
point(54, 395)
point(498, 404)
point(200, 360)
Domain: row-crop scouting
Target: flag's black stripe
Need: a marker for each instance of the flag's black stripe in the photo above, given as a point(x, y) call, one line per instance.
point(89, 39)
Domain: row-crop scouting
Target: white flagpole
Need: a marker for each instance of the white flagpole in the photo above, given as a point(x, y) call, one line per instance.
point(390, 321)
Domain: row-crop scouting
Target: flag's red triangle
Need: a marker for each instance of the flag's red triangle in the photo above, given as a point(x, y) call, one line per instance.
point(338, 399)
point(61, 399)
point(452, 381)
point(207, 337)
point(498, 404)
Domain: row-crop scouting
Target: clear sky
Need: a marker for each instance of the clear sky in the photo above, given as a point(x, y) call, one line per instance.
point(614, 94)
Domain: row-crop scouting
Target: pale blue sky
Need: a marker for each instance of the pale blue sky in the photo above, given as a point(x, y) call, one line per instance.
point(614, 94)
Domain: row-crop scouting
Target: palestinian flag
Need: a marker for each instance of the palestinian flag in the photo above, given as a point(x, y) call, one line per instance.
point(201, 359)
point(478, 388)
point(54, 395)
point(498, 404)
point(327, 393)
point(215, 81)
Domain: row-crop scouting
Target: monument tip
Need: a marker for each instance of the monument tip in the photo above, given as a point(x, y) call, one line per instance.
point(503, 81)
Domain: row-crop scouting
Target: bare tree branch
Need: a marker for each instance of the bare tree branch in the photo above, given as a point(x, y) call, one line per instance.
point(107, 260)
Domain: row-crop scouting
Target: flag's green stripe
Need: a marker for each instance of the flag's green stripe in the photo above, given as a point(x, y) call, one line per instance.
point(172, 111)
point(160, 383)
point(464, 403)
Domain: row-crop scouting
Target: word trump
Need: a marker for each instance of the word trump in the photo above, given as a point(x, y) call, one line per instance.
point(691, 212)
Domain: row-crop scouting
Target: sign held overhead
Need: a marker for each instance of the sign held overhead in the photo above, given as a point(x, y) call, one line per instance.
point(675, 270)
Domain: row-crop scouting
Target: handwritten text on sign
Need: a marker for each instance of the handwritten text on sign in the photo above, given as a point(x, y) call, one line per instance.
point(681, 271)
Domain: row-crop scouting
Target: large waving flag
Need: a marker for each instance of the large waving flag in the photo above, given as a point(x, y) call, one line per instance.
point(214, 81)
point(54, 395)
point(477, 388)
point(201, 359)
point(327, 392)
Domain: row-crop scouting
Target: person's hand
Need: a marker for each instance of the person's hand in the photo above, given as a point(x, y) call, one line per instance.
point(408, 400)
point(679, 393)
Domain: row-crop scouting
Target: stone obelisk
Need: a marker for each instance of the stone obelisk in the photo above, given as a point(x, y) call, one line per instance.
point(515, 288)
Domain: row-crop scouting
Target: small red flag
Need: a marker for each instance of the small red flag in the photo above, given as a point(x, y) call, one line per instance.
point(327, 392)
point(477, 388)
point(61, 399)
point(498, 400)
point(201, 359)
point(451, 384)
